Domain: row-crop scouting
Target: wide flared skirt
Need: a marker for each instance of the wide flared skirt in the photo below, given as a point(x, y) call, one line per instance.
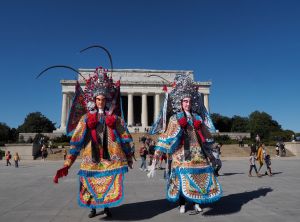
point(198, 185)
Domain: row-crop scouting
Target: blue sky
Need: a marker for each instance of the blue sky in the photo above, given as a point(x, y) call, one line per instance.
point(249, 49)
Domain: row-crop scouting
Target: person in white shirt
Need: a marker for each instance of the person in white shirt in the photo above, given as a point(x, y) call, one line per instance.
point(252, 160)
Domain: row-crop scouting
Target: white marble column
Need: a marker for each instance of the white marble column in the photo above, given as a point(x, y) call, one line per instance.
point(144, 116)
point(206, 104)
point(69, 104)
point(130, 110)
point(64, 112)
point(68, 107)
point(157, 106)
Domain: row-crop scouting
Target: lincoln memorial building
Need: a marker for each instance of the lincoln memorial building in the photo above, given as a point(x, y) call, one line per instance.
point(141, 92)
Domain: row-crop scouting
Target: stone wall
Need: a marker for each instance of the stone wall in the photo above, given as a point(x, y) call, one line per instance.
point(24, 150)
point(294, 147)
point(233, 135)
point(26, 136)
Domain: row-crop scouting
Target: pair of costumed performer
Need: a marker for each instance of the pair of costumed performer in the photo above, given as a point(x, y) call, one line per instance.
point(184, 126)
point(101, 134)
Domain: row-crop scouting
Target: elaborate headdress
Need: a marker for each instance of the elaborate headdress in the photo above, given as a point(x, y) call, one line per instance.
point(99, 84)
point(183, 87)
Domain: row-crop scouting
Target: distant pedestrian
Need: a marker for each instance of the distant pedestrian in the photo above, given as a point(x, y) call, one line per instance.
point(277, 148)
point(264, 158)
point(133, 151)
point(163, 158)
point(253, 148)
point(252, 160)
point(17, 159)
point(50, 145)
point(143, 155)
point(44, 152)
point(151, 151)
point(260, 155)
point(216, 151)
point(268, 165)
point(65, 153)
point(257, 139)
point(7, 158)
point(240, 139)
point(293, 138)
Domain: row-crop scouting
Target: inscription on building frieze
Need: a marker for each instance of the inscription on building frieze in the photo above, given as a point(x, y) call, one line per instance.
point(137, 75)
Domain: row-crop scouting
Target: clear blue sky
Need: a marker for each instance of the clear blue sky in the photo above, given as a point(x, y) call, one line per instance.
point(249, 49)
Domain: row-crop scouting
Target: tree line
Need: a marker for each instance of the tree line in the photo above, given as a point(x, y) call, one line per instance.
point(260, 123)
point(34, 122)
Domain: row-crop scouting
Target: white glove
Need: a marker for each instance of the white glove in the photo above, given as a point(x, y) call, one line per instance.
point(151, 169)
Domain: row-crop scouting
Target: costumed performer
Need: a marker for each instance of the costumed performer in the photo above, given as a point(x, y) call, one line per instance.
point(184, 125)
point(103, 135)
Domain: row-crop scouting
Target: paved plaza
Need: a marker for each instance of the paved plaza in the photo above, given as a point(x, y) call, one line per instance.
point(27, 194)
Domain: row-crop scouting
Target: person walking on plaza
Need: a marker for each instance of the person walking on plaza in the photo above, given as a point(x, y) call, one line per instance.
point(252, 160)
point(143, 154)
point(277, 148)
point(187, 139)
point(44, 152)
point(65, 153)
point(17, 159)
point(261, 152)
point(240, 139)
point(216, 151)
point(268, 165)
point(163, 158)
point(133, 151)
point(151, 151)
point(106, 141)
point(264, 159)
point(7, 158)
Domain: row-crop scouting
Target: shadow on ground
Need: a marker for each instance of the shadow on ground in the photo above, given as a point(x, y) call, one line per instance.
point(230, 174)
point(233, 203)
point(148, 209)
point(273, 173)
point(141, 210)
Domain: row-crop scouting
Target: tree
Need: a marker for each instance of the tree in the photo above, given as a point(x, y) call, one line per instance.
point(284, 135)
point(222, 123)
point(4, 132)
point(13, 135)
point(262, 124)
point(239, 124)
point(36, 123)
